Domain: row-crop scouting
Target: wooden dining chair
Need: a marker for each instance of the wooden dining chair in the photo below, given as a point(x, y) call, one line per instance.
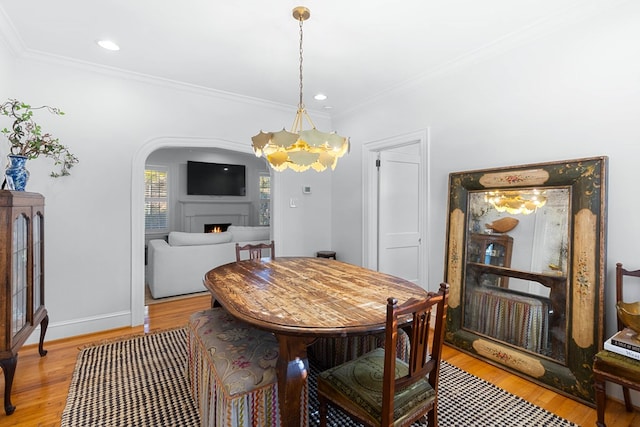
point(378, 389)
point(613, 367)
point(255, 250)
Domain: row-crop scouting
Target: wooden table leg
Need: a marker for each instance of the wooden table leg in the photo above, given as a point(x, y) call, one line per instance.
point(292, 368)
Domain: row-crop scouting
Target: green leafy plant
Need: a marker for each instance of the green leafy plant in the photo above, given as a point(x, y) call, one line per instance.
point(27, 139)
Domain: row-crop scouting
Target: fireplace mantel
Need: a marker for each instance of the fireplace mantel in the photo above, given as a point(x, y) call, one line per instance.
point(196, 213)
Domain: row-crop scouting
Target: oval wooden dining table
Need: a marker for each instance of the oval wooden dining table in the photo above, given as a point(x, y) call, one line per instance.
point(301, 299)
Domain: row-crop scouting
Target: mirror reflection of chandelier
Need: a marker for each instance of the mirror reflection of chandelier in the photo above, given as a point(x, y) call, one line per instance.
point(516, 201)
point(300, 149)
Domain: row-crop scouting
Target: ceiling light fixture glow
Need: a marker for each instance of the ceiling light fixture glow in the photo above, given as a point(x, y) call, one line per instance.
point(516, 202)
point(108, 44)
point(320, 97)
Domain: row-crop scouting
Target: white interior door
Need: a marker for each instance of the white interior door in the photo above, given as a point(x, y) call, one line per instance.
point(399, 213)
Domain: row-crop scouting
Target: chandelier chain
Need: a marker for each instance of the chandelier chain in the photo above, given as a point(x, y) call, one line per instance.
point(300, 103)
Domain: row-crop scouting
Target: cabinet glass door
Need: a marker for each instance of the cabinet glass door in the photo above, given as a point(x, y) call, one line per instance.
point(19, 272)
point(494, 254)
point(38, 299)
point(491, 249)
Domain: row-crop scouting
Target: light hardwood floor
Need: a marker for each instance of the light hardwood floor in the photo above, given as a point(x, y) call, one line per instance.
point(41, 384)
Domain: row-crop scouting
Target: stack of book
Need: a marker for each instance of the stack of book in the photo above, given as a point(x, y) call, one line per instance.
point(626, 342)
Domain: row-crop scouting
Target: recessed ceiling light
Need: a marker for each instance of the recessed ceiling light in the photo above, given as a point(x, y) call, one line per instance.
point(108, 44)
point(320, 97)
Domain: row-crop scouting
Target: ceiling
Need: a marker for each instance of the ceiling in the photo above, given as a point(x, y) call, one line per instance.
point(354, 50)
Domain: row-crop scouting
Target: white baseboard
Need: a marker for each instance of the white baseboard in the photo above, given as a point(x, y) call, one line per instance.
point(87, 325)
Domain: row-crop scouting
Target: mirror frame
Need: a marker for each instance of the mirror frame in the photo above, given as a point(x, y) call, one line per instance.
point(585, 271)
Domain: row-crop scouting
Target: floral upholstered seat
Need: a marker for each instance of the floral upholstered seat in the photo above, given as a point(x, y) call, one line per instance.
point(361, 381)
point(231, 371)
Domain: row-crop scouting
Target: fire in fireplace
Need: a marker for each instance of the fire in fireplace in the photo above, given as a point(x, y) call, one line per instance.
point(216, 228)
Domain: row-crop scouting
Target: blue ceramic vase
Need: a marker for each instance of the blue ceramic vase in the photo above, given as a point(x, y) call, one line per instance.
point(16, 174)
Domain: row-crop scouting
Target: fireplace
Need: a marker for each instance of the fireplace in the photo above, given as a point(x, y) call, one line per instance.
point(216, 228)
point(195, 214)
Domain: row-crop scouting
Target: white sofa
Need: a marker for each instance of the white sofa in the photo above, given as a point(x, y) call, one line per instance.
point(178, 266)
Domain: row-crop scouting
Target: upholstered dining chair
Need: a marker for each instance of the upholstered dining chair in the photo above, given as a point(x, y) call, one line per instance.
point(377, 389)
point(255, 250)
point(613, 367)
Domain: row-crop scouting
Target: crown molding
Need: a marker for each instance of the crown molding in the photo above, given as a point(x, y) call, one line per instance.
point(9, 35)
point(563, 18)
point(63, 61)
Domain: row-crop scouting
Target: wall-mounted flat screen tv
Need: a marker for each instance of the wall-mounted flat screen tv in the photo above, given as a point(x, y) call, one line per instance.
point(215, 179)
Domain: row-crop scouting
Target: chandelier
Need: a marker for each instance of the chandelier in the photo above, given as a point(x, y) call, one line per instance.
point(300, 149)
point(516, 202)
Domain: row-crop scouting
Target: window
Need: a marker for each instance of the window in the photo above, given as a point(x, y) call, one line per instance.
point(264, 210)
point(156, 201)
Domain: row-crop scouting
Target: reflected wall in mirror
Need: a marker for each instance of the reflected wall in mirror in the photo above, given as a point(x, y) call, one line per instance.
point(525, 265)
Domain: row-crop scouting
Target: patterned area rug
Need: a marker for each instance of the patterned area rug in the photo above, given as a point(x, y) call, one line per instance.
point(141, 382)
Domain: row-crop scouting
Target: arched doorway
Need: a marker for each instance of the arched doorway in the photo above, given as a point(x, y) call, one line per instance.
point(137, 201)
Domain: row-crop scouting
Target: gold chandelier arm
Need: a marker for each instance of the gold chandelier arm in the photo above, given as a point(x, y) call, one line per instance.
point(296, 127)
point(306, 115)
point(298, 120)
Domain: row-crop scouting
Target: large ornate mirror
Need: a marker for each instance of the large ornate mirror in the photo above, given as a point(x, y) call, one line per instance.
point(525, 265)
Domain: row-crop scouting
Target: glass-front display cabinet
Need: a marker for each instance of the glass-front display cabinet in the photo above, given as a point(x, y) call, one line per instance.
point(491, 249)
point(22, 306)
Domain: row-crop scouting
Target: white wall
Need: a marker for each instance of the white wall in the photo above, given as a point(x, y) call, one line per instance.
point(573, 94)
point(296, 214)
point(112, 122)
point(6, 76)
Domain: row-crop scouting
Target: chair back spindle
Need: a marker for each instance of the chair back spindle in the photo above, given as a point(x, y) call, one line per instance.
point(422, 339)
point(255, 250)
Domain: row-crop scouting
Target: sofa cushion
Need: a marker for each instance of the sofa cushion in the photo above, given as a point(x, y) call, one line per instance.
point(179, 238)
point(248, 233)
